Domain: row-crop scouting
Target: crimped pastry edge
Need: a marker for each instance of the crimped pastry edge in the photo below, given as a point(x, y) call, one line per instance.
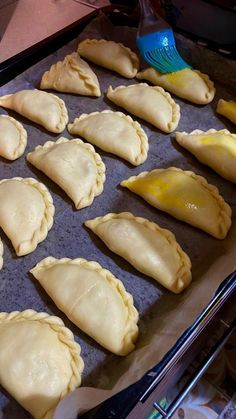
point(133, 56)
point(174, 106)
point(22, 137)
point(139, 130)
point(101, 177)
point(65, 336)
point(71, 60)
point(131, 329)
point(225, 210)
point(221, 102)
point(47, 220)
point(184, 272)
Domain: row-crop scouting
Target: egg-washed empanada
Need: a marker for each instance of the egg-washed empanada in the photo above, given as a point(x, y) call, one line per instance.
point(152, 250)
point(43, 108)
point(1, 254)
point(26, 212)
point(227, 109)
point(186, 196)
point(74, 166)
point(13, 138)
point(72, 75)
point(187, 83)
point(111, 55)
point(92, 298)
point(114, 132)
point(150, 103)
point(217, 149)
point(40, 362)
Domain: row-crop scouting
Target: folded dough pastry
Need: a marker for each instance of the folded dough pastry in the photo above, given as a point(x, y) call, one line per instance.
point(113, 132)
point(40, 362)
point(187, 84)
point(13, 138)
point(43, 108)
point(72, 75)
point(110, 55)
point(93, 299)
point(227, 109)
point(217, 149)
point(186, 196)
point(74, 166)
point(152, 104)
point(1, 254)
point(151, 249)
point(26, 212)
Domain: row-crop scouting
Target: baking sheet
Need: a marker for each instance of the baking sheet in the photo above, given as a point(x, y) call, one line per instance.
point(163, 316)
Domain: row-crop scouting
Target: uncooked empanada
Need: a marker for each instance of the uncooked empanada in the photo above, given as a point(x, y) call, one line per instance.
point(113, 132)
point(93, 298)
point(217, 149)
point(74, 166)
point(13, 138)
point(187, 84)
point(72, 75)
point(40, 362)
point(150, 103)
point(1, 254)
point(26, 212)
point(227, 109)
point(110, 55)
point(150, 249)
point(186, 196)
point(43, 108)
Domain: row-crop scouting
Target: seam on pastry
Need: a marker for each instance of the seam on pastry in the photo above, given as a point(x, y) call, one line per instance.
point(88, 81)
point(137, 127)
point(19, 150)
point(210, 131)
point(131, 328)
point(174, 106)
point(185, 264)
point(209, 83)
point(224, 209)
point(1, 254)
point(64, 335)
point(64, 114)
point(133, 56)
point(101, 177)
point(47, 221)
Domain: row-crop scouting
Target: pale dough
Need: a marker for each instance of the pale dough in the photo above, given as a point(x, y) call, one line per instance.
point(13, 138)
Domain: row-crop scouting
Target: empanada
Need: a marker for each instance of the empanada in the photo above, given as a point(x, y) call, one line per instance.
point(186, 196)
point(26, 212)
point(93, 299)
point(152, 104)
point(13, 138)
point(187, 84)
point(74, 166)
point(113, 132)
point(150, 249)
point(110, 55)
point(1, 254)
point(227, 109)
point(43, 108)
point(40, 362)
point(217, 149)
point(72, 75)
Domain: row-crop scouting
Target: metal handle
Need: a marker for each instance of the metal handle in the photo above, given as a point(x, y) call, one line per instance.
point(167, 413)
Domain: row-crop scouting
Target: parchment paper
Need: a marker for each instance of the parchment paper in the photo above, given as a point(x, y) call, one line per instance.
point(163, 316)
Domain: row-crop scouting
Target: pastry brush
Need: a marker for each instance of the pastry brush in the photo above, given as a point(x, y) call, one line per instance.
point(156, 42)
